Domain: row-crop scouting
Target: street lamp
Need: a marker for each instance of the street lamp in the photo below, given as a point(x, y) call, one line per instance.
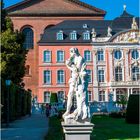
point(8, 83)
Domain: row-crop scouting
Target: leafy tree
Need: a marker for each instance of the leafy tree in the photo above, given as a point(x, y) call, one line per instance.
point(13, 55)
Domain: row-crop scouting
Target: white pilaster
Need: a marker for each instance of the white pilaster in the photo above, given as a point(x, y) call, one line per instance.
point(106, 96)
point(110, 65)
point(114, 95)
point(96, 94)
point(126, 65)
point(128, 93)
point(95, 68)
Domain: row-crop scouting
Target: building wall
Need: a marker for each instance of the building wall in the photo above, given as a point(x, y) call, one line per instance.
point(54, 66)
point(38, 25)
point(127, 85)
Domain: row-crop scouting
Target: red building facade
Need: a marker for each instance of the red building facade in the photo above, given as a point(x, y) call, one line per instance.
point(32, 17)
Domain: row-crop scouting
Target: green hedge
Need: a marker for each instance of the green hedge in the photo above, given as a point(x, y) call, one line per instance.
point(53, 98)
point(19, 102)
point(132, 112)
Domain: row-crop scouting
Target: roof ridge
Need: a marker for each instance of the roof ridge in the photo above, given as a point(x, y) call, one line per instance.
point(87, 6)
point(78, 2)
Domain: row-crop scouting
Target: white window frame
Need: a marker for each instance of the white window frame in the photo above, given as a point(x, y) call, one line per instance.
point(101, 96)
point(89, 96)
point(73, 35)
point(136, 75)
point(45, 76)
point(49, 56)
point(87, 56)
point(118, 73)
point(90, 75)
point(47, 97)
point(86, 35)
point(59, 35)
point(99, 55)
point(121, 55)
point(135, 54)
point(61, 82)
point(102, 80)
point(60, 61)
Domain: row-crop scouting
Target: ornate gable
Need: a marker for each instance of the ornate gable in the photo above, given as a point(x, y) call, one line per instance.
point(130, 36)
point(53, 7)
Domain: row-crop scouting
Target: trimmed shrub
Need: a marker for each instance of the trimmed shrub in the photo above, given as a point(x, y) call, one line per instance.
point(117, 114)
point(132, 112)
point(53, 98)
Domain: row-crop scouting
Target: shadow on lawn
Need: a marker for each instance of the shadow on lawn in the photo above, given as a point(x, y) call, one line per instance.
point(107, 128)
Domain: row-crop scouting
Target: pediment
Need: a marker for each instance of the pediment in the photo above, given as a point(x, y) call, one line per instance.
point(53, 7)
point(130, 36)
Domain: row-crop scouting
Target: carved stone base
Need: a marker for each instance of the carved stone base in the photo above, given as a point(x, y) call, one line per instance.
point(77, 130)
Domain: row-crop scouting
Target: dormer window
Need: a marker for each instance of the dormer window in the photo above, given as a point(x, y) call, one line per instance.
point(73, 35)
point(60, 35)
point(86, 35)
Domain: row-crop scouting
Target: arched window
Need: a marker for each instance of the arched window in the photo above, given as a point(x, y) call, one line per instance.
point(27, 70)
point(60, 77)
point(135, 54)
point(135, 73)
point(73, 35)
point(47, 97)
point(59, 35)
point(118, 54)
point(87, 56)
point(86, 35)
point(29, 38)
point(47, 56)
point(118, 74)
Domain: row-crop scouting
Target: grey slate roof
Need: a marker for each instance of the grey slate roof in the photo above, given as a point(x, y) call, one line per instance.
point(118, 24)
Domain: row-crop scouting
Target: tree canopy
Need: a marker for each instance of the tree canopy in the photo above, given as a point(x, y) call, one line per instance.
point(13, 55)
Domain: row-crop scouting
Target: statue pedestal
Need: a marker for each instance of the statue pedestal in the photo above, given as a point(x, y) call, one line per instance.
point(77, 131)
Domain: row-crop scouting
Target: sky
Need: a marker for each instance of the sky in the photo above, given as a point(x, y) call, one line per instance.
point(114, 8)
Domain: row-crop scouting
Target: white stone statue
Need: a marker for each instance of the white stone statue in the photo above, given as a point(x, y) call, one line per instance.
point(134, 24)
point(78, 84)
point(109, 30)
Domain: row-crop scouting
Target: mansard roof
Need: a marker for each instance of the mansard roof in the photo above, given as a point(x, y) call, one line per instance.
point(101, 26)
point(53, 8)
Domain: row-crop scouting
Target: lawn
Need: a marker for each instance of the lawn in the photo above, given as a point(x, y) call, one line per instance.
point(106, 128)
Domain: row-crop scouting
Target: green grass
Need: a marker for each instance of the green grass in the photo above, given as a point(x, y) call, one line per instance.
point(55, 129)
point(107, 128)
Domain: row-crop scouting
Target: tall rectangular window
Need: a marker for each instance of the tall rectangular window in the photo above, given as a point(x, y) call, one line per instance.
point(89, 72)
point(89, 96)
point(47, 77)
point(47, 97)
point(60, 77)
point(87, 56)
point(100, 55)
point(47, 56)
point(101, 96)
point(60, 56)
point(100, 75)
